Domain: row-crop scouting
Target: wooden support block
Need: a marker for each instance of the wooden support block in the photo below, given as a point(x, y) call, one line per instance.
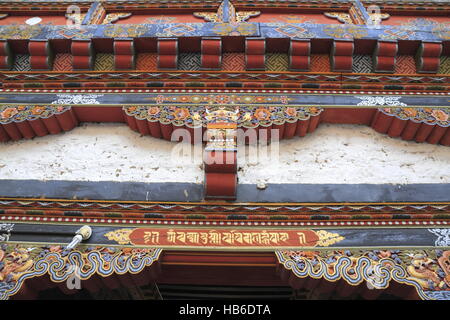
point(299, 55)
point(167, 53)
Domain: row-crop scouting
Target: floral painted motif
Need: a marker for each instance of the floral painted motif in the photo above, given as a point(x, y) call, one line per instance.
point(419, 268)
point(251, 117)
point(227, 29)
point(16, 31)
point(438, 116)
point(245, 29)
point(124, 30)
point(220, 99)
point(10, 114)
point(346, 31)
point(243, 116)
point(372, 101)
point(178, 116)
point(18, 263)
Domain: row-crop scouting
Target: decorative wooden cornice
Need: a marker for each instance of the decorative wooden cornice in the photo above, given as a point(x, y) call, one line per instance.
point(425, 269)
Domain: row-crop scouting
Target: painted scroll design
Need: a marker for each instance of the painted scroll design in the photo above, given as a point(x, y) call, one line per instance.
point(124, 30)
point(430, 116)
point(422, 269)
point(17, 31)
point(443, 237)
point(9, 114)
point(19, 263)
point(5, 231)
point(380, 101)
point(345, 31)
point(77, 99)
point(246, 116)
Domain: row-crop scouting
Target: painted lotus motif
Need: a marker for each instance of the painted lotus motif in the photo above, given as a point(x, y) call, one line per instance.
point(37, 110)
point(10, 114)
point(262, 114)
point(440, 115)
point(181, 113)
point(153, 111)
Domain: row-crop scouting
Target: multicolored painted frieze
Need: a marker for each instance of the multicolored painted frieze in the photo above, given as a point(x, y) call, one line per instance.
point(226, 99)
point(429, 116)
point(427, 270)
point(251, 75)
point(247, 117)
point(20, 262)
point(332, 212)
point(29, 113)
point(210, 237)
point(433, 32)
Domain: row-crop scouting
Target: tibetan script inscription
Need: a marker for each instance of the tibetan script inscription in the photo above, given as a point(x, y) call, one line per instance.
point(222, 237)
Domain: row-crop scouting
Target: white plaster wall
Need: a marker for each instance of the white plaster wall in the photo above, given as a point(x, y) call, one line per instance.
point(332, 154)
point(96, 152)
point(349, 154)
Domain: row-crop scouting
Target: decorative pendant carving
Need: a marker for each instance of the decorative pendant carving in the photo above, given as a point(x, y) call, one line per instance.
point(20, 263)
point(340, 16)
point(113, 17)
point(227, 13)
point(426, 270)
point(346, 18)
